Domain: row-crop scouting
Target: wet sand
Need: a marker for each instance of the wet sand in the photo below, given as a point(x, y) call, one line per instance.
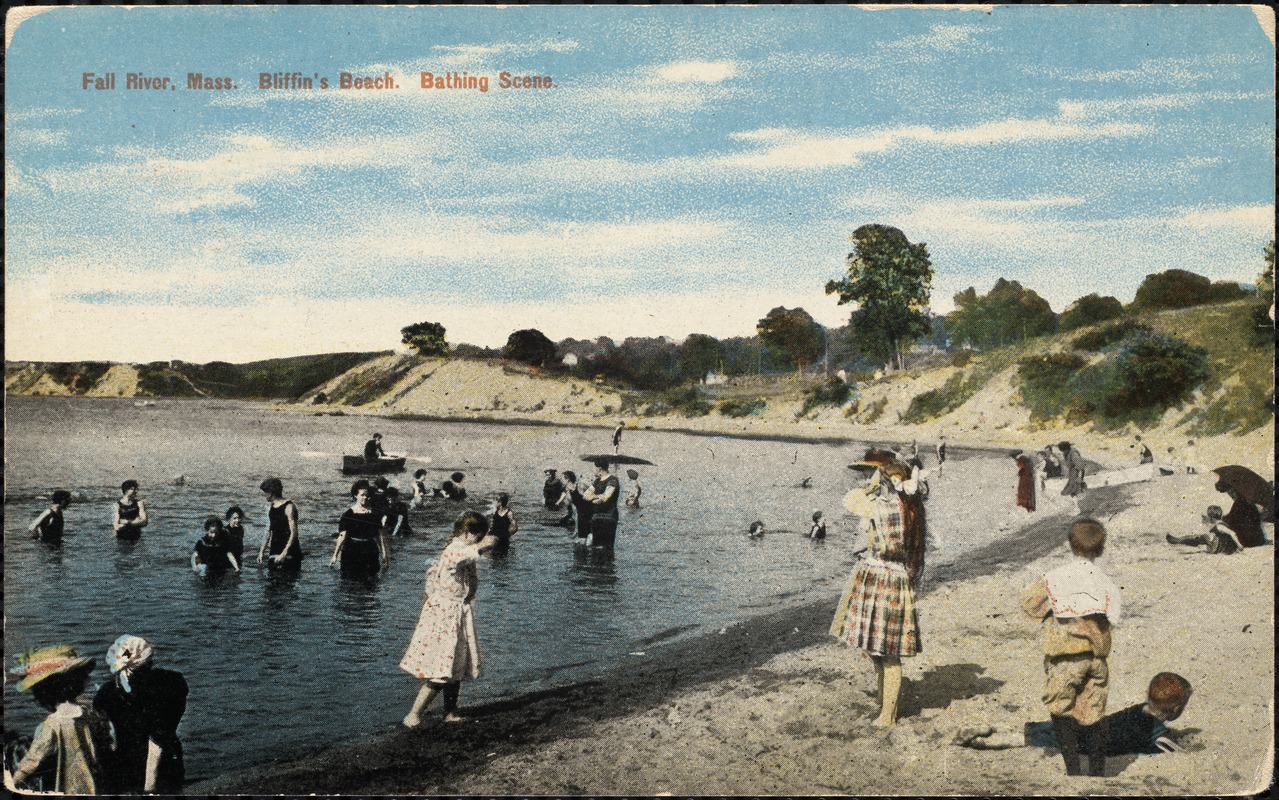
point(774, 706)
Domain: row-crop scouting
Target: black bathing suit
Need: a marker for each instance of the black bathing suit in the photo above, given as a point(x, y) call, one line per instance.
point(360, 551)
point(552, 491)
point(50, 527)
point(279, 522)
point(584, 508)
point(604, 518)
point(235, 541)
point(151, 712)
point(129, 514)
point(213, 554)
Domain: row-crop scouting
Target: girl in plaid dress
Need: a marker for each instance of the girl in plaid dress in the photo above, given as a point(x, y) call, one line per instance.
point(877, 613)
point(444, 650)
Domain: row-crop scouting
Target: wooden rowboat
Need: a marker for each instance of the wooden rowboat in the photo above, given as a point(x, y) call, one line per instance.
point(356, 465)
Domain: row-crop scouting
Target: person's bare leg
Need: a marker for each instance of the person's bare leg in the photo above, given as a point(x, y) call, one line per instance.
point(892, 672)
point(425, 696)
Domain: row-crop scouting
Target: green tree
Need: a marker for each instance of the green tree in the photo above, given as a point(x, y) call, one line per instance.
point(698, 355)
point(425, 337)
point(1009, 313)
point(1175, 288)
point(1266, 281)
point(889, 279)
point(1089, 310)
point(529, 346)
point(794, 332)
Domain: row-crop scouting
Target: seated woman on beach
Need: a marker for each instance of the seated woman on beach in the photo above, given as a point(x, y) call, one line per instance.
point(130, 515)
point(47, 527)
point(877, 611)
point(361, 546)
point(1219, 538)
point(212, 553)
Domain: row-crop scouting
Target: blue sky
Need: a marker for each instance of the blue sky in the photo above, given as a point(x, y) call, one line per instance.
point(692, 168)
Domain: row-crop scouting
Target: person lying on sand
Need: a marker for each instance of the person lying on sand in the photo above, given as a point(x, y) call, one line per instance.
point(1137, 730)
point(1219, 538)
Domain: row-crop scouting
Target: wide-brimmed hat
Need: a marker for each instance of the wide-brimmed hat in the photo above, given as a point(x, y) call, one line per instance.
point(874, 459)
point(36, 665)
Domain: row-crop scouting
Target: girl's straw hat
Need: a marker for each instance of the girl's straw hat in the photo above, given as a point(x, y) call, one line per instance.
point(36, 665)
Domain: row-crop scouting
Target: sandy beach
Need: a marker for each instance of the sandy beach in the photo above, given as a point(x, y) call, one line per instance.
point(775, 706)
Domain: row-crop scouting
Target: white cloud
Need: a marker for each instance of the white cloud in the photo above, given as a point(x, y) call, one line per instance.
point(941, 39)
point(697, 71)
point(1259, 219)
point(1083, 109)
point(457, 55)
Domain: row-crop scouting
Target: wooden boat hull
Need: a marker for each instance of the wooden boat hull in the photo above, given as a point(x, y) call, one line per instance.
point(356, 465)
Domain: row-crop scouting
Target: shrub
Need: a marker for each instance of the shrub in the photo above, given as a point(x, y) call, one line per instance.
point(952, 394)
point(1148, 375)
point(1046, 383)
point(832, 393)
point(690, 401)
point(961, 358)
point(1102, 338)
point(742, 408)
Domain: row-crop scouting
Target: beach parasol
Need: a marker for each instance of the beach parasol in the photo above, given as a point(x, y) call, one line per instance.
point(1250, 486)
point(617, 458)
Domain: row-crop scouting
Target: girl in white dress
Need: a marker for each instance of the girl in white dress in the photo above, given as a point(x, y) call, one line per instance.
point(444, 650)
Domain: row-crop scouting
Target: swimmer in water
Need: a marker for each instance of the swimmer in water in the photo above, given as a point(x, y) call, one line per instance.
point(756, 530)
point(818, 529)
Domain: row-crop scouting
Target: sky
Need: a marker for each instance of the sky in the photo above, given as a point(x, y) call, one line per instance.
point(689, 169)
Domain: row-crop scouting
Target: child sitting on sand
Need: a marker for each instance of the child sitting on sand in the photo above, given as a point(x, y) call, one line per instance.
point(1219, 538)
point(1137, 730)
point(1078, 604)
point(444, 650)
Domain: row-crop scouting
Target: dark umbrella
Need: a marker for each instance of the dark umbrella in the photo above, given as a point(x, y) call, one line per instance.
point(1251, 488)
point(617, 458)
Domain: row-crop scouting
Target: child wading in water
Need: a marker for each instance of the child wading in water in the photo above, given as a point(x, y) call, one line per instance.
point(444, 650)
point(1078, 604)
point(48, 526)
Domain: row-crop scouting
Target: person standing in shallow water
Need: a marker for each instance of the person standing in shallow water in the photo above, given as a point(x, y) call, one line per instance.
point(235, 533)
point(603, 496)
point(362, 547)
point(444, 650)
point(617, 436)
point(130, 515)
point(282, 548)
point(47, 527)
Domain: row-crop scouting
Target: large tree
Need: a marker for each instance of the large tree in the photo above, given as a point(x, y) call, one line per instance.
point(530, 346)
point(1089, 310)
point(794, 332)
point(425, 337)
point(889, 279)
point(698, 355)
point(1009, 313)
point(1174, 288)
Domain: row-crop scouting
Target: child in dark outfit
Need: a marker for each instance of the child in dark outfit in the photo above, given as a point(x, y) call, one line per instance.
point(1137, 730)
point(48, 526)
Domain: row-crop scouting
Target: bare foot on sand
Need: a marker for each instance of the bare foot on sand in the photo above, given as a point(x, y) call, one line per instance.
point(884, 722)
point(412, 721)
point(451, 717)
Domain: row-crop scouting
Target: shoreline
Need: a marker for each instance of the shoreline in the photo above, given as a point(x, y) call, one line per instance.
point(434, 760)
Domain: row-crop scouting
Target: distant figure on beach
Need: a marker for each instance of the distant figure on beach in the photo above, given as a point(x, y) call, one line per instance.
point(373, 449)
point(807, 483)
point(1078, 604)
point(633, 497)
point(1074, 469)
point(877, 611)
point(941, 453)
point(756, 530)
point(603, 496)
point(1140, 729)
point(361, 548)
point(130, 515)
point(1219, 538)
point(617, 436)
point(1025, 480)
point(502, 525)
point(72, 746)
point(1147, 456)
point(1192, 458)
point(818, 529)
point(444, 650)
point(420, 492)
point(552, 489)
point(211, 553)
point(48, 525)
point(281, 549)
point(1052, 463)
point(396, 514)
point(144, 704)
point(235, 533)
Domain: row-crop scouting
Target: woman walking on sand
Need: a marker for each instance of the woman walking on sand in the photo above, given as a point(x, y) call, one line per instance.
point(877, 613)
point(444, 650)
point(1025, 480)
point(1074, 469)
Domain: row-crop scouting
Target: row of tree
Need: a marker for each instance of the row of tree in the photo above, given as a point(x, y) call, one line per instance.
point(889, 281)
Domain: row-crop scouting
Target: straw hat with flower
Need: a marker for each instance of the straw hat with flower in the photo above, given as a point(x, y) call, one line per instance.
point(36, 665)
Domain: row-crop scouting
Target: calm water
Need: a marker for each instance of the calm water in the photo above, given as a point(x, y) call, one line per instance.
point(275, 664)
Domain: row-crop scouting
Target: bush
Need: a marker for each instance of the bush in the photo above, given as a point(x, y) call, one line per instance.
point(832, 393)
point(690, 401)
point(1100, 339)
point(953, 394)
point(961, 358)
point(1046, 384)
point(1148, 375)
point(742, 408)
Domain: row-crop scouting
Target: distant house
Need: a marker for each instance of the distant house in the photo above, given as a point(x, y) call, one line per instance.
point(569, 360)
point(715, 379)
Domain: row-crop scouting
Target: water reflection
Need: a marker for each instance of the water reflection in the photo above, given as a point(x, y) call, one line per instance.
point(594, 570)
point(356, 600)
